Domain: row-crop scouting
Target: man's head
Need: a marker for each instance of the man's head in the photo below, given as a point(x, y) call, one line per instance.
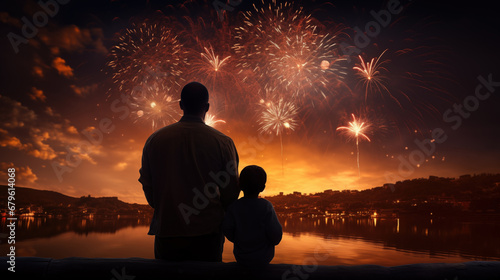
point(253, 180)
point(194, 99)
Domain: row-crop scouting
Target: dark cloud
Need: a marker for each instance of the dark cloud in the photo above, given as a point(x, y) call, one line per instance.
point(74, 39)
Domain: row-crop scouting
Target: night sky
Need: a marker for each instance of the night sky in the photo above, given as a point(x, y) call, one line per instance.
point(64, 124)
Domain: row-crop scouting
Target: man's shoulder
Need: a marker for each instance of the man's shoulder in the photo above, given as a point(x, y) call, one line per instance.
point(218, 134)
point(173, 131)
point(164, 130)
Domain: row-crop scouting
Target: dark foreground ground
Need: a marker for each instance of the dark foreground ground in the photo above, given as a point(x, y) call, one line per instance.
point(139, 268)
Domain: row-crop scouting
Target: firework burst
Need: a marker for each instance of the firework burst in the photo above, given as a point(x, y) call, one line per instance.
point(213, 60)
point(155, 104)
point(278, 117)
point(371, 76)
point(144, 53)
point(283, 45)
point(210, 67)
point(356, 129)
point(211, 120)
point(416, 85)
point(304, 62)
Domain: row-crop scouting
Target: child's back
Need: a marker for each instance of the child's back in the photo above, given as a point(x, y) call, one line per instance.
point(252, 225)
point(251, 222)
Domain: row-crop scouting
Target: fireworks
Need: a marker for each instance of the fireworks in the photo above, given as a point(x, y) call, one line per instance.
point(147, 64)
point(302, 63)
point(283, 45)
point(213, 60)
point(211, 117)
point(276, 57)
point(146, 52)
point(356, 129)
point(154, 103)
point(210, 120)
point(278, 117)
point(209, 67)
point(370, 74)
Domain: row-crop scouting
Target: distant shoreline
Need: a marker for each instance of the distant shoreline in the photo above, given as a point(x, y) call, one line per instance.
point(468, 195)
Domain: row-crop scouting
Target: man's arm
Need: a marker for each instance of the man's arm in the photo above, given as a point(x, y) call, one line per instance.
point(145, 178)
point(228, 226)
point(229, 192)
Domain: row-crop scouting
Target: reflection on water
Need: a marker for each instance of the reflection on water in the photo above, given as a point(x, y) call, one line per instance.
point(468, 238)
point(327, 241)
point(31, 227)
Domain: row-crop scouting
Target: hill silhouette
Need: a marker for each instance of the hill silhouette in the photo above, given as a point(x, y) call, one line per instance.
point(52, 202)
point(474, 193)
point(40, 197)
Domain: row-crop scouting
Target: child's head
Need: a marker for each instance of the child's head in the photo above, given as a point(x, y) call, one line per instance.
point(253, 179)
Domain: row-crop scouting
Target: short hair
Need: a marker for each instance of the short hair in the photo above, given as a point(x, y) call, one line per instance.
point(253, 179)
point(194, 97)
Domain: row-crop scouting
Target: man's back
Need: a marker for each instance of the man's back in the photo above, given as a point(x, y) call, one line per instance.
point(189, 175)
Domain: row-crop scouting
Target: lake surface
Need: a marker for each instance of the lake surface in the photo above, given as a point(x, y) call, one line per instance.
point(309, 241)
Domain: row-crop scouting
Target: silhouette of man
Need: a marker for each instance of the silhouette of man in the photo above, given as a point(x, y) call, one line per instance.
point(189, 176)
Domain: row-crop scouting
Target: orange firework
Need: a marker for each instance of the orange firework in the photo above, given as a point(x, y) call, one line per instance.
point(153, 102)
point(371, 75)
point(210, 120)
point(356, 128)
point(277, 117)
point(144, 53)
point(285, 48)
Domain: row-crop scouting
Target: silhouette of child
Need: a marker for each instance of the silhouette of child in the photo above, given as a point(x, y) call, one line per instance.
point(251, 222)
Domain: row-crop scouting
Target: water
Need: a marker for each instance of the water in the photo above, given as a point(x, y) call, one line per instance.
point(308, 241)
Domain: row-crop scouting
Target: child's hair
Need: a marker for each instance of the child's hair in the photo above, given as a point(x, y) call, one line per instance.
point(253, 179)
